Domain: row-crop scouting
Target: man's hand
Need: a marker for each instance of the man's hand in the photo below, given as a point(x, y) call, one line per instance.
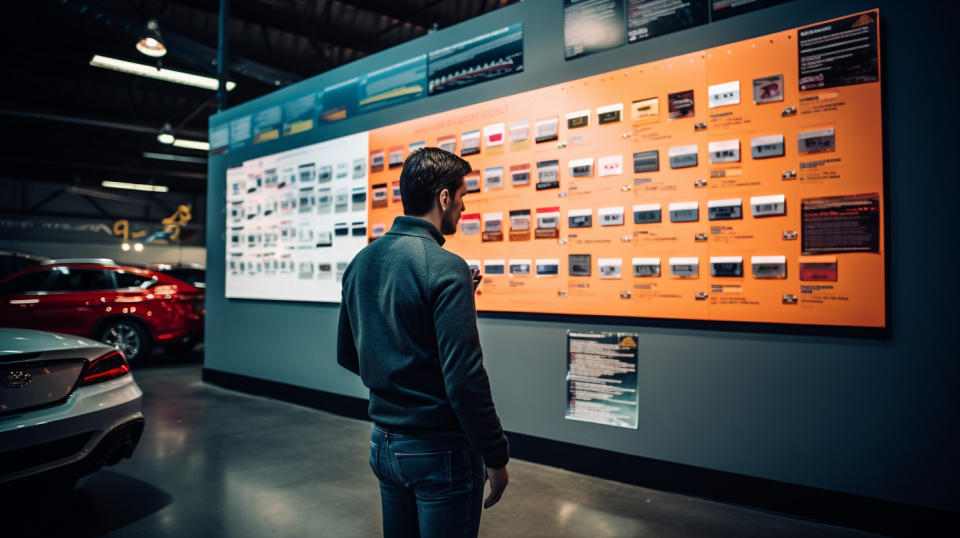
point(477, 277)
point(498, 483)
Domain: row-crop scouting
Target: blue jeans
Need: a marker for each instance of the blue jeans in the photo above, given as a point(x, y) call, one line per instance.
point(431, 485)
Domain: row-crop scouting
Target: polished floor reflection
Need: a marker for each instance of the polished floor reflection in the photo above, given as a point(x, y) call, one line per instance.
point(215, 463)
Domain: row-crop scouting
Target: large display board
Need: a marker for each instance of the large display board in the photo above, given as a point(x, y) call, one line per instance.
point(295, 220)
point(738, 183)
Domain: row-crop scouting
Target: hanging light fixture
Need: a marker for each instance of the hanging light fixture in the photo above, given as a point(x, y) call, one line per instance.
point(165, 136)
point(151, 42)
point(200, 145)
point(151, 71)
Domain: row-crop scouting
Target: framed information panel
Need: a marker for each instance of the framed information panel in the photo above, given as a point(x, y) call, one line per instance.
point(738, 183)
point(295, 220)
point(602, 378)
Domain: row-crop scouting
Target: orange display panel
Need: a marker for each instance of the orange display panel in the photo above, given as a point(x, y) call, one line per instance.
point(706, 186)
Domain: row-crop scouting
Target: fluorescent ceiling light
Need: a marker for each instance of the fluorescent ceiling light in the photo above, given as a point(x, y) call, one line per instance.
point(192, 144)
point(172, 157)
point(135, 186)
point(169, 75)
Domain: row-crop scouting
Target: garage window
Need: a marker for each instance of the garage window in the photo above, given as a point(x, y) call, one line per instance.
point(33, 281)
point(74, 279)
point(127, 280)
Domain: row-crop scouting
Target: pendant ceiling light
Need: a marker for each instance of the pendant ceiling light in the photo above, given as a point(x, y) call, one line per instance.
point(165, 136)
point(151, 42)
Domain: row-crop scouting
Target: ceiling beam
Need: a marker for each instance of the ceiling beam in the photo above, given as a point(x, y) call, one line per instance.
point(124, 125)
point(96, 205)
point(419, 12)
point(46, 199)
point(190, 51)
point(398, 10)
point(280, 17)
point(88, 85)
point(178, 187)
point(311, 35)
point(74, 165)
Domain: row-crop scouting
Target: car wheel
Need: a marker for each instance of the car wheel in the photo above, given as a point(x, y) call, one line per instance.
point(127, 336)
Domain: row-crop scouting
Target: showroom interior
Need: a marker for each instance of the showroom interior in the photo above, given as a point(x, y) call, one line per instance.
point(705, 230)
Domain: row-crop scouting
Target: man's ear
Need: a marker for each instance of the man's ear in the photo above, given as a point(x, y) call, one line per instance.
point(444, 199)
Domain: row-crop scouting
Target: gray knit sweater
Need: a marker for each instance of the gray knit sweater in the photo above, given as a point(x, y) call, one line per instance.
point(408, 327)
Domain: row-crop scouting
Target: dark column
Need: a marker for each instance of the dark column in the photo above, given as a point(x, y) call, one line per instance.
point(223, 43)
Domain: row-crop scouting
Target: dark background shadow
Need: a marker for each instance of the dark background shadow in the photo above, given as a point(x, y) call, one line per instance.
point(165, 356)
point(103, 502)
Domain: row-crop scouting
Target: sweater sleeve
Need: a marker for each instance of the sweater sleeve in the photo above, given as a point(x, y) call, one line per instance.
point(346, 347)
point(461, 360)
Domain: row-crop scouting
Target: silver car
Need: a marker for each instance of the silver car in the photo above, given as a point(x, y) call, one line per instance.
point(68, 406)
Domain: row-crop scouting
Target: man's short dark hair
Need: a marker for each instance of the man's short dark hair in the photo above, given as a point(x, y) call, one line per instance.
point(426, 172)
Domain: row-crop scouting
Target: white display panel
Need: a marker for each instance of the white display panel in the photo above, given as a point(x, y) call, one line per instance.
point(295, 220)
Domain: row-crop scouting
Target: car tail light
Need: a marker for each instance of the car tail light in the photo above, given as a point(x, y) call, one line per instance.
point(110, 366)
point(190, 304)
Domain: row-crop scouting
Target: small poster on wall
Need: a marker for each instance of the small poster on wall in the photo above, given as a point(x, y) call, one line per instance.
point(485, 57)
point(591, 26)
point(729, 8)
point(652, 18)
point(266, 124)
point(338, 102)
point(602, 378)
point(394, 84)
point(298, 114)
point(842, 52)
point(219, 138)
point(241, 132)
point(841, 224)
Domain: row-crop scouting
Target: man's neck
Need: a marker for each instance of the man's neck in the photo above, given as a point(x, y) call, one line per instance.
point(432, 217)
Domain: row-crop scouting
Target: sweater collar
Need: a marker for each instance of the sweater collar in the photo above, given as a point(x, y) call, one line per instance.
point(416, 227)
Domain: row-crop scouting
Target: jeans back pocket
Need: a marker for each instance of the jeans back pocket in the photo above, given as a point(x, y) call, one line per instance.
point(428, 473)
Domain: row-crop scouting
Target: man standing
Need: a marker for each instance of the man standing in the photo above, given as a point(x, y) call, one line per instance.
point(408, 328)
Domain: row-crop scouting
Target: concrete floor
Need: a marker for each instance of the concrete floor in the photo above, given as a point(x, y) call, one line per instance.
point(214, 462)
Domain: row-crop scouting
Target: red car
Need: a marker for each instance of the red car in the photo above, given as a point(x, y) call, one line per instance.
point(130, 308)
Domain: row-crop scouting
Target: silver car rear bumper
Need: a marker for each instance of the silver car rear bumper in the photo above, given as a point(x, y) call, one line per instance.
point(98, 424)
